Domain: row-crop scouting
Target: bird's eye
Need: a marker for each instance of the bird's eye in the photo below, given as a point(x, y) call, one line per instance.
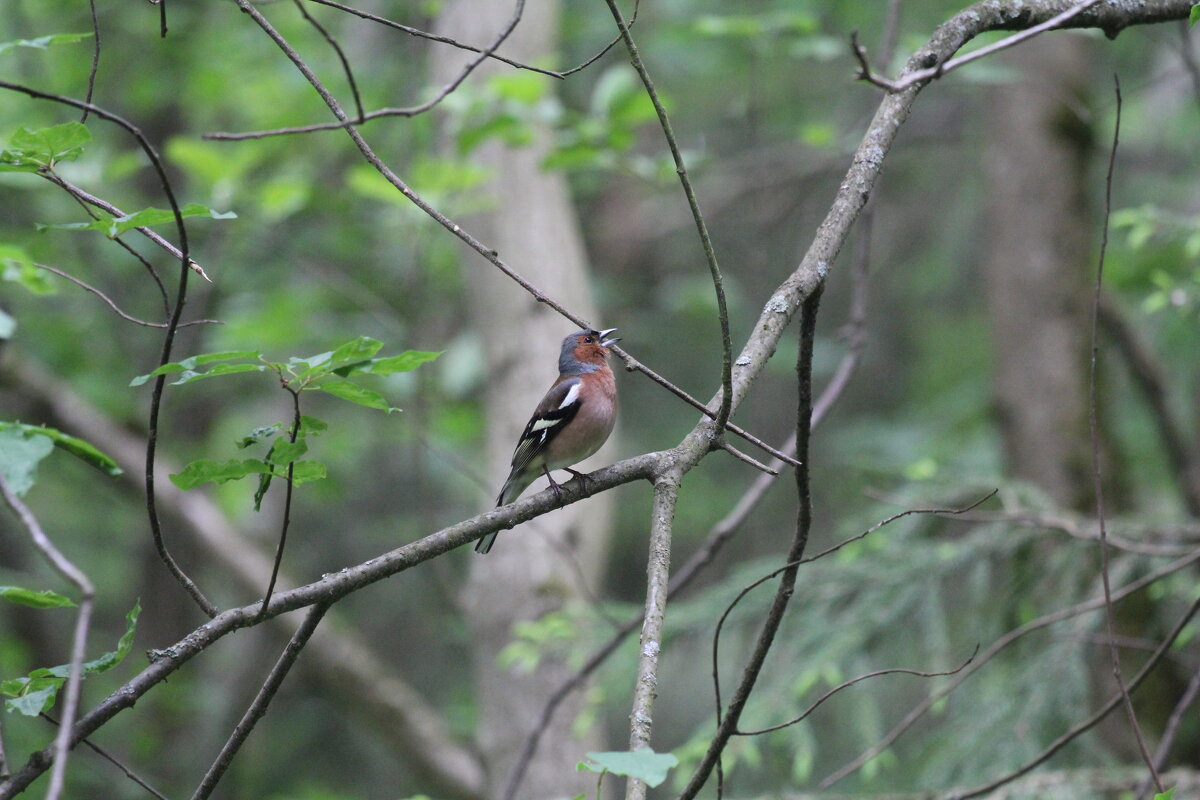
point(588, 339)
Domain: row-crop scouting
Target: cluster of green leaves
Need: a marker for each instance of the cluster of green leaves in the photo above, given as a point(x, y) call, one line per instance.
point(1166, 248)
point(331, 372)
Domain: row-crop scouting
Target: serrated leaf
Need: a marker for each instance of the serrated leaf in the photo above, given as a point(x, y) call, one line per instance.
point(43, 42)
point(203, 471)
point(646, 765)
point(77, 447)
point(405, 362)
point(354, 393)
point(19, 457)
point(28, 597)
point(29, 150)
point(113, 227)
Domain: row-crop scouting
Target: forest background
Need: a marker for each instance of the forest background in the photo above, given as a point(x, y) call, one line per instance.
point(951, 363)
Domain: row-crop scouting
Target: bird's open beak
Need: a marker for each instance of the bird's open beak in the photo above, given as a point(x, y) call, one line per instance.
point(605, 342)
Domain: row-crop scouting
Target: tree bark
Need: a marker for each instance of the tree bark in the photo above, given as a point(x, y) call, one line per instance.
point(529, 574)
point(1037, 257)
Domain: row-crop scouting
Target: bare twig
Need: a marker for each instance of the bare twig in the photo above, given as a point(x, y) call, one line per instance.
point(287, 501)
point(658, 568)
point(91, 84)
point(340, 54)
point(259, 705)
point(113, 305)
point(710, 255)
point(745, 459)
point(411, 111)
point(847, 684)
point(931, 73)
point(1097, 478)
point(87, 592)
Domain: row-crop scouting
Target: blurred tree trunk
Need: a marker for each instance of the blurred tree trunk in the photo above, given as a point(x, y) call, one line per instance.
point(1037, 256)
point(529, 573)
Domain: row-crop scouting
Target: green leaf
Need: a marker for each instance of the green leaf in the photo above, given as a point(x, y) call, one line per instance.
point(43, 42)
point(312, 426)
point(283, 453)
point(77, 447)
point(351, 353)
point(206, 470)
point(190, 364)
point(30, 150)
point(646, 765)
point(111, 659)
point(113, 227)
point(1169, 794)
point(35, 702)
point(305, 471)
point(354, 393)
point(405, 362)
point(264, 483)
point(19, 457)
point(1193, 18)
point(28, 597)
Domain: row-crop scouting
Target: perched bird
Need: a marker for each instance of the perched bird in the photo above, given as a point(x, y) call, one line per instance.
point(571, 423)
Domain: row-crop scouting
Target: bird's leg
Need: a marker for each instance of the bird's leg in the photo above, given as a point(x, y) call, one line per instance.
point(553, 485)
point(583, 479)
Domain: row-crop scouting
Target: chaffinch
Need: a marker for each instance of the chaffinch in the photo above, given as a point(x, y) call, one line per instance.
point(571, 423)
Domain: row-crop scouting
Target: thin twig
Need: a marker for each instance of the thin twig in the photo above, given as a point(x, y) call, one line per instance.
point(287, 502)
point(920, 76)
point(76, 577)
point(340, 54)
point(411, 111)
point(91, 84)
point(258, 707)
point(1097, 478)
point(745, 459)
point(710, 255)
point(113, 305)
point(110, 758)
point(847, 684)
point(919, 710)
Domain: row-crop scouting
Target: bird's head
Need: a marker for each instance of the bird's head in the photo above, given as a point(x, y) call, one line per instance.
point(585, 351)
